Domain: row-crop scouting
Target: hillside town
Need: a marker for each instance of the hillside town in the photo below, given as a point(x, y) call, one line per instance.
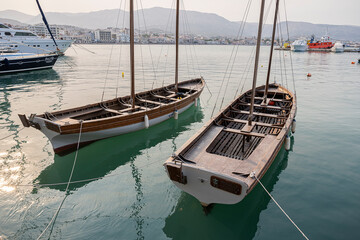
point(112, 35)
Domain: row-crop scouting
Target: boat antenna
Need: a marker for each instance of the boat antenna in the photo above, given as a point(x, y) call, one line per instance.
point(256, 61)
point(47, 25)
point(132, 59)
point(177, 46)
point(271, 51)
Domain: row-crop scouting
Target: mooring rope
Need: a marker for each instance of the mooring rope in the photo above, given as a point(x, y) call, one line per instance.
point(12, 134)
point(67, 187)
point(253, 175)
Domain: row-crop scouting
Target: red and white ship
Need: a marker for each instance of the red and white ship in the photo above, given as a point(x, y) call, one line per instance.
point(324, 43)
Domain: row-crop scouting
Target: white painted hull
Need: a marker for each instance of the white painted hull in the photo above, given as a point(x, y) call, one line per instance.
point(198, 184)
point(38, 46)
point(60, 141)
point(299, 48)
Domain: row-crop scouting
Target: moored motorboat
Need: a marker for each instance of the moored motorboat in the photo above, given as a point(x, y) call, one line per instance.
point(224, 161)
point(323, 43)
point(25, 41)
point(338, 47)
point(18, 62)
point(299, 45)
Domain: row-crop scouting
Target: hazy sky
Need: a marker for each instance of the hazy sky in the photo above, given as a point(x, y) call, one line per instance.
point(315, 11)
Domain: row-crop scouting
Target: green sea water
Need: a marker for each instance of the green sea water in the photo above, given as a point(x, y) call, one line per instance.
point(130, 196)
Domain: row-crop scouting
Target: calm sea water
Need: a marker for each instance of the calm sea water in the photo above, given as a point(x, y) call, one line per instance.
point(131, 197)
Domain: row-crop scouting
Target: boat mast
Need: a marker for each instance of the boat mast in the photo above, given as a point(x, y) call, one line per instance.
point(132, 58)
point(177, 45)
point(271, 51)
point(47, 24)
point(256, 61)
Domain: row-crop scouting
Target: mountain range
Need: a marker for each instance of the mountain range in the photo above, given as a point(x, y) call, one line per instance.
point(157, 19)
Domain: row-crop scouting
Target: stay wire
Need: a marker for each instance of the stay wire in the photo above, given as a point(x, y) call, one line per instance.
point(146, 31)
point(52, 221)
point(120, 56)
point(111, 51)
point(291, 61)
point(226, 71)
point(243, 22)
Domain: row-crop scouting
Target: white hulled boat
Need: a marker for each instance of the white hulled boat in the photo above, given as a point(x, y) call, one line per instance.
point(299, 45)
point(26, 41)
point(338, 47)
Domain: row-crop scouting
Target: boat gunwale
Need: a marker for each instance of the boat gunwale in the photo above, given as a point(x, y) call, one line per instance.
point(135, 117)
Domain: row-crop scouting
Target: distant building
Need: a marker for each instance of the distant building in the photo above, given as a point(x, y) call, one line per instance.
point(103, 36)
point(41, 30)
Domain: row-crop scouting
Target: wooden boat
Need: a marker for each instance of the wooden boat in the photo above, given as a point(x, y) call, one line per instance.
point(222, 162)
point(120, 115)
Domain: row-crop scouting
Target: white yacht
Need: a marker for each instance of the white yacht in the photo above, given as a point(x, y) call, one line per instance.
point(338, 47)
point(299, 45)
point(27, 42)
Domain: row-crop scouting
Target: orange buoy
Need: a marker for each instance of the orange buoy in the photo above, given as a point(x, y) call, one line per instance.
point(308, 75)
point(352, 62)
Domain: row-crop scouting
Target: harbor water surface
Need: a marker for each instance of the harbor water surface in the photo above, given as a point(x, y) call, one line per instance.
point(127, 194)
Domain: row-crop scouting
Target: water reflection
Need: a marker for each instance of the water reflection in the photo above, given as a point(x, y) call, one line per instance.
point(102, 157)
point(238, 221)
point(47, 76)
point(11, 89)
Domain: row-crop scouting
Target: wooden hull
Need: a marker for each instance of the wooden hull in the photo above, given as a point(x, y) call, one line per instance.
point(114, 117)
point(215, 167)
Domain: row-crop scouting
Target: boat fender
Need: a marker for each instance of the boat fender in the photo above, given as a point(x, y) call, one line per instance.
point(293, 126)
point(176, 114)
point(196, 102)
point(287, 143)
point(146, 121)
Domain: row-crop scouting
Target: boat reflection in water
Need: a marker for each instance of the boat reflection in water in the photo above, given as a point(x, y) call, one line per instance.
point(100, 158)
point(239, 221)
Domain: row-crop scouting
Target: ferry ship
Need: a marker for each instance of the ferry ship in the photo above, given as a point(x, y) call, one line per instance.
point(25, 41)
point(324, 43)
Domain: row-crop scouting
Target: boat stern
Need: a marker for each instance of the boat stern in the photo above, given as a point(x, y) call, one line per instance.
point(207, 186)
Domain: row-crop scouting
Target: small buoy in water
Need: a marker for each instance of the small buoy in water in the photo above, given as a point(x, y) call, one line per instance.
point(262, 66)
point(287, 143)
point(352, 62)
point(123, 74)
point(146, 120)
point(293, 126)
point(196, 102)
point(308, 75)
point(176, 114)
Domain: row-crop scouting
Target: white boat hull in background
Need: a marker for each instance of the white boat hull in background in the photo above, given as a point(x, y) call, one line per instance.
point(299, 46)
point(338, 48)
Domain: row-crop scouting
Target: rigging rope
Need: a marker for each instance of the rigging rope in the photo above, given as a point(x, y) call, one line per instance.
point(111, 50)
point(120, 55)
point(291, 62)
point(253, 175)
point(67, 187)
point(230, 59)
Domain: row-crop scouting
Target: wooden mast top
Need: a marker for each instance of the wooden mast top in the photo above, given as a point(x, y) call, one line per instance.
point(177, 46)
point(271, 52)
point(256, 61)
point(132, 58)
